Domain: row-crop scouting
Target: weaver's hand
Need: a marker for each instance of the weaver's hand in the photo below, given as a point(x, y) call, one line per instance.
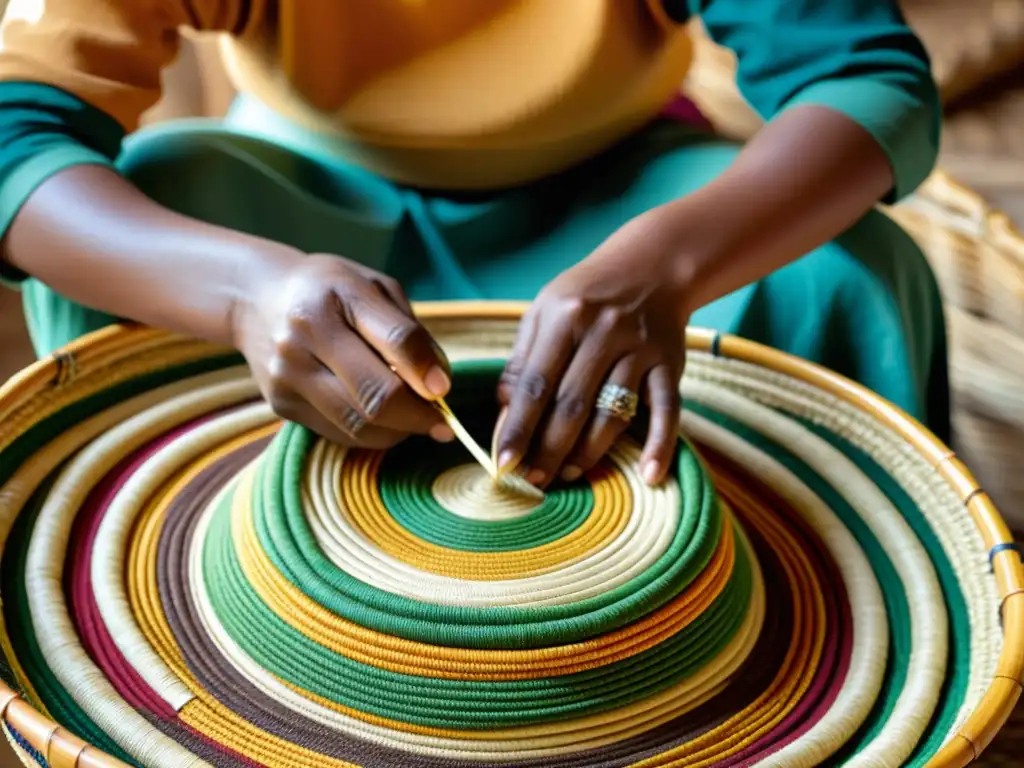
point(335, 347)
point(603, 334)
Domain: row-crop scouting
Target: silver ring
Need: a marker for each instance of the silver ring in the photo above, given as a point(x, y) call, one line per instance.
point(617, 401)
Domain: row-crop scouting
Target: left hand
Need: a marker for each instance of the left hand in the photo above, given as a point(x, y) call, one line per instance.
point(616, 318)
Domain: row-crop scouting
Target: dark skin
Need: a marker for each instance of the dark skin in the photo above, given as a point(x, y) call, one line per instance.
point(335, 346)
point(620, 315)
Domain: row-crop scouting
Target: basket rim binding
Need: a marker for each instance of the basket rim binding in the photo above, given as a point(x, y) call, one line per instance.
point(62, 748)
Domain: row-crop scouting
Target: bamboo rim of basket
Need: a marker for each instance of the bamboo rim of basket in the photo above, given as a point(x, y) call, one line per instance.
point(92, 352)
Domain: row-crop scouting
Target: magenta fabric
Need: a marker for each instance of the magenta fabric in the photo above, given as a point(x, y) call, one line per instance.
point(683, 110)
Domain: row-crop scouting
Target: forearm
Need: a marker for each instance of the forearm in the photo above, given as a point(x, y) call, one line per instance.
point(93, 237)
point(800, 182)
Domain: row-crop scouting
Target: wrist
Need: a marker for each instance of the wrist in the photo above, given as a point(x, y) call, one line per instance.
point(686, 254)
point(709, 234)
point(260, 272)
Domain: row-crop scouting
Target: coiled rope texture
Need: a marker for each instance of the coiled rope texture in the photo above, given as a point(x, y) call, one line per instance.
point(187, 582)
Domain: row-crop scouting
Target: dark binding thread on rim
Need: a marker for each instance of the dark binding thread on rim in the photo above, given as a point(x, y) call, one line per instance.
point(27, 748)
point(1004, 547)
point(716, 345)
point(67, 368)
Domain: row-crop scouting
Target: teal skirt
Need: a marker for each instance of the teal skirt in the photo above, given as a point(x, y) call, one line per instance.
point(865, 305)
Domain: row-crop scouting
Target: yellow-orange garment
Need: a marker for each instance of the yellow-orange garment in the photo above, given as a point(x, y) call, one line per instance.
point(454, 93)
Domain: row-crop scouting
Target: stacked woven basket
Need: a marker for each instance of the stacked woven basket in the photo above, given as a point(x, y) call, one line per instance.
point(187, 582)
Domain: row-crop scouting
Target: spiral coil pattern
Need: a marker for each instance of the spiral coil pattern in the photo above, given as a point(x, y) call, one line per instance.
point(189, 582)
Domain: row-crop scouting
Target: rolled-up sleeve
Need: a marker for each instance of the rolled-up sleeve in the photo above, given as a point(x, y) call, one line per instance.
point(77, 75)
point(858, 57)
point(44, 130)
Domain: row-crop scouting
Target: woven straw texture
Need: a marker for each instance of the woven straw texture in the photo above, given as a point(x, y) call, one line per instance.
point(188, 582)
point(969, 42)
point(978, 257)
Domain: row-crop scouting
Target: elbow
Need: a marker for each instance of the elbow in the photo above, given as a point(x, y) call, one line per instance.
point(902, 111)
point(880, 78)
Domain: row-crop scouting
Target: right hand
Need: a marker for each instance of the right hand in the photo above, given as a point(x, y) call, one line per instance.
point(335, 347)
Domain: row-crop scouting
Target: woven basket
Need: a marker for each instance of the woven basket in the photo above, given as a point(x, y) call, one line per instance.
point(978, 257)
point(723, 369)
point(969, 42)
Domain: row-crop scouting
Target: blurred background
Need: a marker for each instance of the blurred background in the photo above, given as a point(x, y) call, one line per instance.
point(968, 219)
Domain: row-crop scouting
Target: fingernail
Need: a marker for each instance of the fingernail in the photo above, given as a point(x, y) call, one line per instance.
point(440, 355)
point(507, 461)
point(496, 435)
point(437, 381)
point(651, 472)
point(536, 477)
point(571, 473)
point(442, 433)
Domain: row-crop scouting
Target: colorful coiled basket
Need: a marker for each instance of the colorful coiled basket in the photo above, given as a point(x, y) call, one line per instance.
point(186, 581)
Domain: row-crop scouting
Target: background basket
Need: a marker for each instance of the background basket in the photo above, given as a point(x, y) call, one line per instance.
point(978, 257)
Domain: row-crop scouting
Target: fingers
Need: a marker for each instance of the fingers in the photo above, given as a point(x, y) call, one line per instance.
point(397, 337)
point(393, 290)
point(552, 381)
point(516, 360)
point(302, 391)
point(325, 377)
point(341, 353)
point(531, 391)
point(663, 432)
point(604, 428)
point(320, 402)
point(368, 392)
point(327, 415)
point(573, 406)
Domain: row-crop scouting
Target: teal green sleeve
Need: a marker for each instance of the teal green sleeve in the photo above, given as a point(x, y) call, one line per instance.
point(44, 130)
point(855, 56)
